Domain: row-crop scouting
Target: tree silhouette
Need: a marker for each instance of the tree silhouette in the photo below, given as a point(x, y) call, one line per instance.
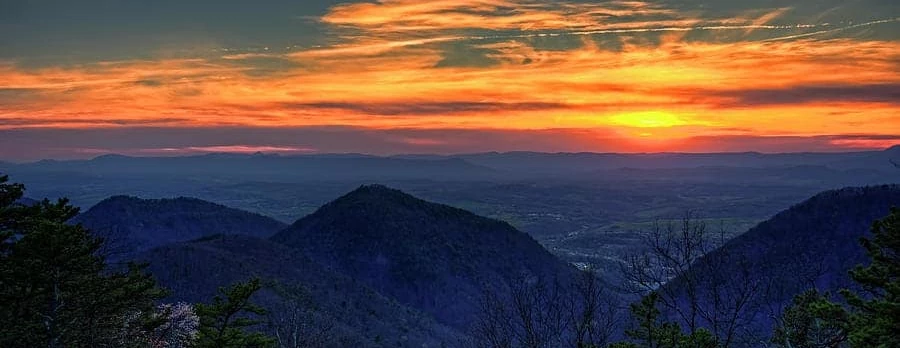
point(223, 323)
point(875, 315)
point(55, 289)
point(868, 318)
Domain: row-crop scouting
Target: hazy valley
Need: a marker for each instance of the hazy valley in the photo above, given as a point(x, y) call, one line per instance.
point(583, 207)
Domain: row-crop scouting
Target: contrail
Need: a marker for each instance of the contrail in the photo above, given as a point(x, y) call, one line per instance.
point(821, 32)
point(699, 28)
point(648, 30)
point(425, 41)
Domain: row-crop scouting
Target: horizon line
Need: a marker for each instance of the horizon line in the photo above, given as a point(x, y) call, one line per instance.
point(299, 154)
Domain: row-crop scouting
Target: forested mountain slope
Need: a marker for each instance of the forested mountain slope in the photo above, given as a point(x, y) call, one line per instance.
point(430, 256)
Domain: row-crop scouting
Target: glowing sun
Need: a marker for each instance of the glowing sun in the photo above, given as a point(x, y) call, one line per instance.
point(647, 119)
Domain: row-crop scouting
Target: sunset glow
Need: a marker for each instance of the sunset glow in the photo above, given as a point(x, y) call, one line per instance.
point(648, 119)
point(579, 76)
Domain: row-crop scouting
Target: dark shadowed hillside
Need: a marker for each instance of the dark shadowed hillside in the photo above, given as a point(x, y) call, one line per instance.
point(429, 256)
point(317, 302)
point(132, 224)
point(823, 231)
point(812, 244)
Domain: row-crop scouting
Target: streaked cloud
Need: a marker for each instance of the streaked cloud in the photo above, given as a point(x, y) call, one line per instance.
point(412, 15)
point(425, 108)
point(887, 93)
point(646, 75)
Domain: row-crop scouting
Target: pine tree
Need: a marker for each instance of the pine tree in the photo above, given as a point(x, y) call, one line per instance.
point(222, 324)
point(867, 319)
point(811, 321)
point(55, 290)
point(653, 332)
point(874, 319)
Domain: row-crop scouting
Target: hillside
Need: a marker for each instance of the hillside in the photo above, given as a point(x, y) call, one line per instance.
point(344, 312)
point(812, 244)
point(132, 225)
point(429, 256)
point(825, 228)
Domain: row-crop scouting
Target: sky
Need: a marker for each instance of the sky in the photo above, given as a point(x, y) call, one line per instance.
point(169, 77)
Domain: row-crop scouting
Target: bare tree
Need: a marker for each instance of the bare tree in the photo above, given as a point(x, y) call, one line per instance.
point(698, 294)
point(533, 313)
point(671, 250)
point(297, 325)
point(493, 328)
point(593, 309)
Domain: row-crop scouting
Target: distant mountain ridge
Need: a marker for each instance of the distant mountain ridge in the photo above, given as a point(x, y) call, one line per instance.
point(584, 162)
point(429, 256)
point(455, 166)
point(133, 224)
point(268, 167)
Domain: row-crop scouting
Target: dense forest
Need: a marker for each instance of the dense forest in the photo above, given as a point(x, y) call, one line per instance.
point(378, 267)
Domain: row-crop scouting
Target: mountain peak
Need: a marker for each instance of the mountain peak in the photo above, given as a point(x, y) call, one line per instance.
point(378, 189)
point(127, 201)
point(893, 150)
point(425, 254)
point(379, 202)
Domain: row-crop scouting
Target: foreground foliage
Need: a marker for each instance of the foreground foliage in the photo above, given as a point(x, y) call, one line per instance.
point(56, 290)
point(653, 332)
point(222, 322)
point(868, 317)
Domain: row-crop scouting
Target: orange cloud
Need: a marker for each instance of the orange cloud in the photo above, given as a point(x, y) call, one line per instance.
point(584, 87)
point(390, 77)
point(412, 15)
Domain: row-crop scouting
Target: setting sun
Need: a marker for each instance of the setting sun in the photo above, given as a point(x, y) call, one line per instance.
point(416, 76)
point(648, 119)
point(592, 173)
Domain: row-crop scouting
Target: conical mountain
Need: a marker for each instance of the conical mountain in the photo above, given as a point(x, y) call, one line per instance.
point(430, 256)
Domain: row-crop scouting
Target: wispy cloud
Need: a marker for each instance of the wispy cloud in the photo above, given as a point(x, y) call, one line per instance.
point(411, 15)
point(642, 71)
